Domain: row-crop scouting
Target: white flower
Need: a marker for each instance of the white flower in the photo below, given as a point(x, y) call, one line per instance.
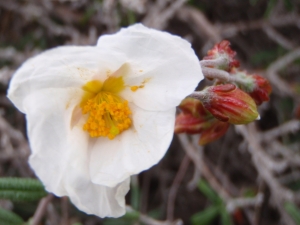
point(97, 115)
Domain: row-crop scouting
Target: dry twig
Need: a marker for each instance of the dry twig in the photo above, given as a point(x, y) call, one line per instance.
point(275, 67)
point(41, 209)
point(279, 193)
point(175, 185)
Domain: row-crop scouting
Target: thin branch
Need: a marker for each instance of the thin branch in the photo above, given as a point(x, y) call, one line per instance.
point(278, 38)
point(41, 209)
point(212, 73)
point(231, 29)
point(291, 126)
point(222, 75)
point(214, 62)
point(199, 23)
point(64, 210)
point(199, 163)
point(275, 67)
point(279, 193)
point(175, 185)
point(235, 203)
point(288, 154)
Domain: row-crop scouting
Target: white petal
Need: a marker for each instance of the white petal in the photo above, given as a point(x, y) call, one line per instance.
point(165, 64)
point(97, 199)
point(135, 149)
point(60, 154)
point(62, 67)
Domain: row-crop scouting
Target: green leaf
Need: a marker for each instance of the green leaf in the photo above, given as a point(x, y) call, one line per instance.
point(294, 211)
point(225, 217)
point(208, 191)
point(135, 193)
point(9, 218)
point(128, 219)
point(25, 184)
point(206, 216)
point(133, 215)
point(131, 17)
point(270, 7)
point(22, 196)
point(21, 189)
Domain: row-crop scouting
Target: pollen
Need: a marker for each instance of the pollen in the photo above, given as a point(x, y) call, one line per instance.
point(108, 115)
point(134, 88)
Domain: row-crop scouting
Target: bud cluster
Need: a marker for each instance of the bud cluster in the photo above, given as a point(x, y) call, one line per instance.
point(233, 99)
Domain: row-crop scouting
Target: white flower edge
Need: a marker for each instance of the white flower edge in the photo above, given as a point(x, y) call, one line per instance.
point(48, 89)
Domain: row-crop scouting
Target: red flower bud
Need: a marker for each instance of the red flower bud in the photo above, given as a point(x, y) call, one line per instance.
point(229, 104)
point(256, 86)
point(194, 107)
point(214, 132)
point(223, 49)
point(187, 123)
point(194, 119)
point(262, 90)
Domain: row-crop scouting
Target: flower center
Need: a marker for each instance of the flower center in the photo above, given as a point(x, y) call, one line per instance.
point(108, 112)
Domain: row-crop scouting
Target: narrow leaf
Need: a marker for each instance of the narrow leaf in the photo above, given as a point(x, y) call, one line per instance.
point(294, 211)
point(25, 184)
point(21, 189)
point(9, 218)
point(225, 217)
point(206, 216)
point(208, 191)
point(22, 196)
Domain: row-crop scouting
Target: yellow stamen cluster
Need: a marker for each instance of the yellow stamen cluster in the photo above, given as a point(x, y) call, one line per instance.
point(108, 115)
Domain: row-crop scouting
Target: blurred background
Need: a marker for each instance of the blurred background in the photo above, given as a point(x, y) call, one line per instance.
point(250, 176)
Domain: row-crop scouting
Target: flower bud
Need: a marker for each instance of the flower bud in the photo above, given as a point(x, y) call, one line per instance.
point(229, 104)
point(223, 50)
point(194, 107)
point(187, 123)
point(214, 132)
point(194, 119)
point(261, 91)
point(256, 86)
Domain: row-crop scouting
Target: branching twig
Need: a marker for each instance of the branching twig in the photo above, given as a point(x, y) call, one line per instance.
point(272, 72)
point(191, 151)
point(279, 193)
point(277, 37)
point(199, 23)
point(291, 126)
